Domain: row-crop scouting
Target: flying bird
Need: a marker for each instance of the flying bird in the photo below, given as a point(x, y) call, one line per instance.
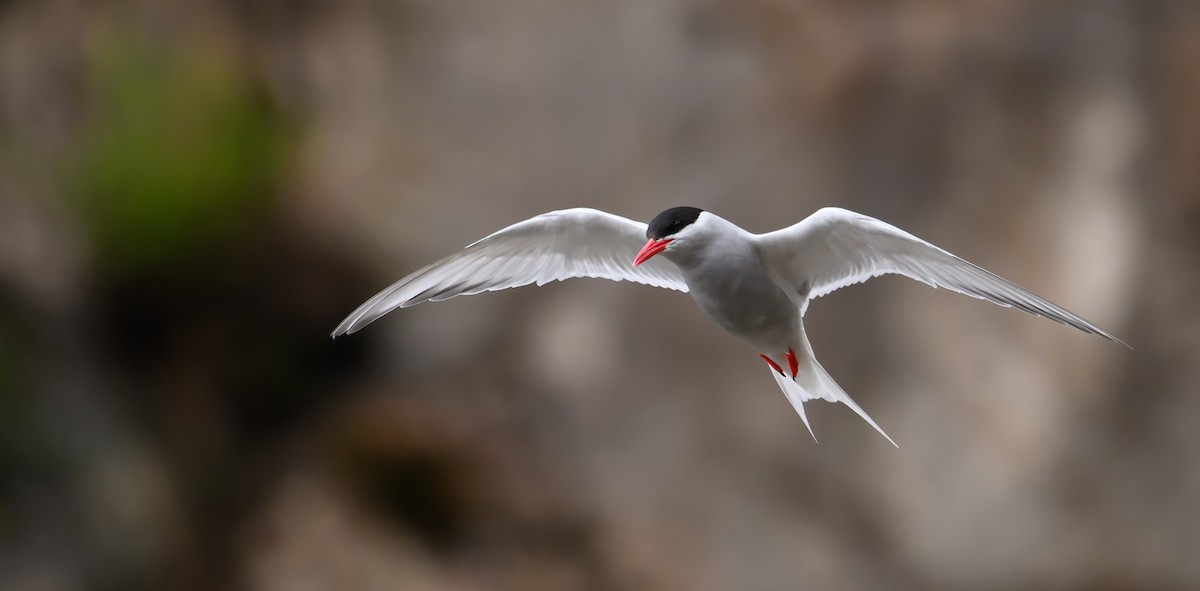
point(756, 286)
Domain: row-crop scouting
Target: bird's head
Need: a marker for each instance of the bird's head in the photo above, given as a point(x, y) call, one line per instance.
point(667, 231)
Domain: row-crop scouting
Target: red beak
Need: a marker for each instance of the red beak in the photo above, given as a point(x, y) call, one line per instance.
point(652, 248)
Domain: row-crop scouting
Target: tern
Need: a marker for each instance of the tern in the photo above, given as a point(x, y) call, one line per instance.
point(755, 286)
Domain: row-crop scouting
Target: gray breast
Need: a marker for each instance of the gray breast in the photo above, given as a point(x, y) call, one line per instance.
point(735, 291)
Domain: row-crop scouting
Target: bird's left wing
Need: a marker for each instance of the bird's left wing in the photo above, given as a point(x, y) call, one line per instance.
point(835, 247)
point(550, 247)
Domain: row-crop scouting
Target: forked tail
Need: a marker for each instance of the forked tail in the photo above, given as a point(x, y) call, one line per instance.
point(812, 382)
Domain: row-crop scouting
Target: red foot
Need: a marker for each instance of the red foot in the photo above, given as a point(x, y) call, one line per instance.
point(774, 366)
point(792, 364)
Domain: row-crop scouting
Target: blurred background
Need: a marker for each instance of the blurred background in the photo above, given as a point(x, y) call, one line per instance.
point(193, 194)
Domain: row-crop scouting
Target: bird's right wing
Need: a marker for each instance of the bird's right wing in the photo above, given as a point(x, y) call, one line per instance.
point(835, 247)
point(550, 247)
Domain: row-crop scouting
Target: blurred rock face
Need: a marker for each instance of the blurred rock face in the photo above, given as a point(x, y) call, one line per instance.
point(193, 194)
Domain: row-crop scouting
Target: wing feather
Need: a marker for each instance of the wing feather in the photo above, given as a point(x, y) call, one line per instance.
point(550, 247)
point(834, 248)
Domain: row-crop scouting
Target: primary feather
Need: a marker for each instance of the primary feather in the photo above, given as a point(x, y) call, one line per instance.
point(833, 248)
point(550, 247)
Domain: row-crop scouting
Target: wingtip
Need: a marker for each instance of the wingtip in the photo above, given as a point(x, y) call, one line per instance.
point(1107, 335)
point(342, 329)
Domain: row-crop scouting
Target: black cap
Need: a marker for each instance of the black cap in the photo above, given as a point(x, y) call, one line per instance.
point(671, 221)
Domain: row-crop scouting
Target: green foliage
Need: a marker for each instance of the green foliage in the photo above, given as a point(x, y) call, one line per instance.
point(182, 151)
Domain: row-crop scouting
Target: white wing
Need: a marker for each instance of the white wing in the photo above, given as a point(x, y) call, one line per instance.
point(550, 247)
point(834, 248)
